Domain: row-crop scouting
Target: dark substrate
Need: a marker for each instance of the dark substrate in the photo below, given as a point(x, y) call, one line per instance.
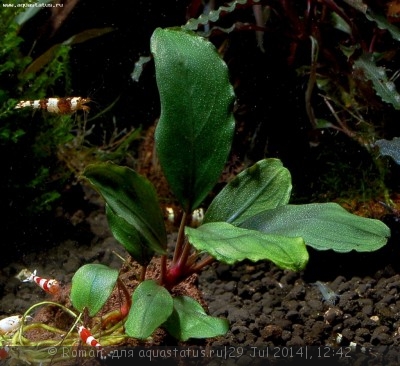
point(265, 306)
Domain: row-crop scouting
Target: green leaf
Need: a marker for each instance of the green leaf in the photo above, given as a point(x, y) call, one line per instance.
point(129, 237)
point(384, 87)
point(151, 306)
point(194, 134)
point(383, 23)
point(390, 148)
point(323, 123)
point(230, 244)
point(92, 285)
point(214, 15)
point(189, 320)
point(132, 198)
point(267, 184)
point(339, 23)
point(87, 35)
point(323, 226)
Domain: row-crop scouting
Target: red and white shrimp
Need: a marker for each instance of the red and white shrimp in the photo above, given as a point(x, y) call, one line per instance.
point(68, 105)
point(88, 338)
point(50, 286)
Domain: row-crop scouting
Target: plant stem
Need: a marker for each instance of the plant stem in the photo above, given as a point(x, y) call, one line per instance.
point(185, 254)
point(143, 273)
point(343, 127)
point(311, 82)
point(203, 263)
point(163, 269)
point(125, 291)
point(181, 238)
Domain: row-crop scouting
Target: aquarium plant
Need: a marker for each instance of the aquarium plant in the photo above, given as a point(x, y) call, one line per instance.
point(251, 217)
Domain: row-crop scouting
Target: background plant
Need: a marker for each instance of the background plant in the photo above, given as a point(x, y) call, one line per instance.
point(336, 64)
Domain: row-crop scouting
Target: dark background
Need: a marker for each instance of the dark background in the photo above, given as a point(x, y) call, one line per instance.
point(270, 109)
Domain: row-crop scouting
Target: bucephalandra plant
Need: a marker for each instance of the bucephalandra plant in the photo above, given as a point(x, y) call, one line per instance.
point(251, 217)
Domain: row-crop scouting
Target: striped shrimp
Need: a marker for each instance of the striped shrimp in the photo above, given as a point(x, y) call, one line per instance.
point(87, 337)
point(68, 105)
point(51, 286)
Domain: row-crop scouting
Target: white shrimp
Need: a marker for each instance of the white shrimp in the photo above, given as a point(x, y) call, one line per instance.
point(328, 294)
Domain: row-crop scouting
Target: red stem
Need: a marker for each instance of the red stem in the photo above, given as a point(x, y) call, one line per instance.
point(128, 299)
point(199, 266)
point(181, 238)
point(185, 254)
point(163, 275)
point(143, 273)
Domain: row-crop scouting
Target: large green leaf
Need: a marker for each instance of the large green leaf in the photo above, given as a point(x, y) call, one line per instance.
point(230, 244)
point(132, 198)
point(265, 185)
point(322, 226)
point(129, 237)
point(92, 285)
point(194, 134)
point(189, 320)
point(151, 306)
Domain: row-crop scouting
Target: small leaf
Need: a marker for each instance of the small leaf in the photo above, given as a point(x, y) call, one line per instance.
point(323, 123)
point(87, 35)
point(384, 87)
point(189, 320)
point(230, 244)
point(383, 23)
point(129, 237)
point(195, 130)
point(37, 64)
point(339, 23)
point(390, 148)
point(92, 285)
point(323, 226)
point(266, 184)
point(151, 306)
point(132, 198)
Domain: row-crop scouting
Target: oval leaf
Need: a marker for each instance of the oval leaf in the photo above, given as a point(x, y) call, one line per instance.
point(129, 237)
point(322, 226)
point(92, 285)
point(151, 306)
point(230, 244)
point(265, 185)
point(194, 134)
point(132, 198)
point(189, 320)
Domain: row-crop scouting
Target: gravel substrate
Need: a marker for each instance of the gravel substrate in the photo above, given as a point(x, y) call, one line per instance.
point(265, 306)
